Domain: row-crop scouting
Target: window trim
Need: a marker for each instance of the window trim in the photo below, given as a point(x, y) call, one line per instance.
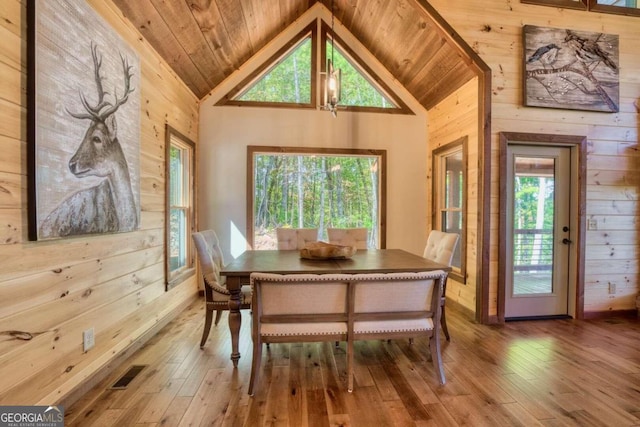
point(366, 72)
point(309, 31)
point(175, 278)
point(460, 144)
point(252, 150)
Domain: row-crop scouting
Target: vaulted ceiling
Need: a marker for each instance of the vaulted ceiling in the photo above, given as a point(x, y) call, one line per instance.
point(205, 41)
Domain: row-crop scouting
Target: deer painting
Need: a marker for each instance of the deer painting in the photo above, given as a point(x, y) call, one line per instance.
point(110, 205)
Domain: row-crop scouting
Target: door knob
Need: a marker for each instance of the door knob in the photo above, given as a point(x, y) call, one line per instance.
point(566, 241)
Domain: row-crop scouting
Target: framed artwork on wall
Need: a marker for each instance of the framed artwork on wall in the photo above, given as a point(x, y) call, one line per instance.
point(83, 123)
point(570, 69)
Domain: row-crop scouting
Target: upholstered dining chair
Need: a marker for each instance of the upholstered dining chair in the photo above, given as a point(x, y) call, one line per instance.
point(295, 238)
point(348, 237)
point(215, 293)
point(440, 248)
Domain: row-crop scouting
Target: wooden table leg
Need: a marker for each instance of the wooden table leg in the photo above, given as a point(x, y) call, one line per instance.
point(235, 318)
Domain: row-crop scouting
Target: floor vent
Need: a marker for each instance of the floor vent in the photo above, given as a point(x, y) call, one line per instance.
point(128, 376)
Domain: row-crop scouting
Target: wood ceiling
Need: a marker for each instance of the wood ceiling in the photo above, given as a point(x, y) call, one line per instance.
point(205, 41)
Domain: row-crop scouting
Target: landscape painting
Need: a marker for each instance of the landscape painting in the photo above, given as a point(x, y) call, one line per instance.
point(83, 124)
point(571, 69)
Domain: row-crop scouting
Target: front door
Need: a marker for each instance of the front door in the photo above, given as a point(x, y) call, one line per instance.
point(538, 231)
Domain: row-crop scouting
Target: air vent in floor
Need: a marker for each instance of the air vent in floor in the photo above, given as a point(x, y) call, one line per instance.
point(128, 376)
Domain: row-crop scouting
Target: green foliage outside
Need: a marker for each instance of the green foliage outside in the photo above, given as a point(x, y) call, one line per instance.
point(289, 81)
point(533, 233)
point(301, 191)
point(177, 218)
point(356, 90)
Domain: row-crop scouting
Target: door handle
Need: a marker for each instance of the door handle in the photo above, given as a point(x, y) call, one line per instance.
point(566, 241)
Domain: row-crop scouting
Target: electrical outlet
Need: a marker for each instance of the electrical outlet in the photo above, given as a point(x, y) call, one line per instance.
point(612, 288)
point(88, 339)
point(593, 224)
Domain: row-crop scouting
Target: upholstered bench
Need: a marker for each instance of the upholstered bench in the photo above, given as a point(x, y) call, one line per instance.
point(345, 307)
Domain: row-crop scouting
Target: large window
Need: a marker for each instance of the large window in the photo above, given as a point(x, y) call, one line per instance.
point(315, 188)
point(180, 168)
point(449, 198)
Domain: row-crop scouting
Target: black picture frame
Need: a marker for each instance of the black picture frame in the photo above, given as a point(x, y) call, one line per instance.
point(83, 123)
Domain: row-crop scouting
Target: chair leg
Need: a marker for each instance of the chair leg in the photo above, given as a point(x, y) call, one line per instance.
point(436, 358)
point(350, 364)
point(443, 322)
point(255, 365)
point(218, 316)
point(207, 325)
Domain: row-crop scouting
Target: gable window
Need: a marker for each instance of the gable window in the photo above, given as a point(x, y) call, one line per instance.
point(180, 209)
point(287, 81)
point(449, 195)
point(301, 187)
point(361, 88)
point(291, 78)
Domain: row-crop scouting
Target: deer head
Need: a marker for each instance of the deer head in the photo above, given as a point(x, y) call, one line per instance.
point(99, 148)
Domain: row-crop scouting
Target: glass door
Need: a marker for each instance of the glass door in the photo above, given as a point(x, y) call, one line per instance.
point(538, 231)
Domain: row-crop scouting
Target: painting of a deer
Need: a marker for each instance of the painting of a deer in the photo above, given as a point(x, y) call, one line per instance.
point(109, 206)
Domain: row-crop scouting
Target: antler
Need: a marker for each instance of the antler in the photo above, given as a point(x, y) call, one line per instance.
point(126, 68)
point(94, 113)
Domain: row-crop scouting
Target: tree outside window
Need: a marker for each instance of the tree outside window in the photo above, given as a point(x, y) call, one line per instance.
point(315, 188)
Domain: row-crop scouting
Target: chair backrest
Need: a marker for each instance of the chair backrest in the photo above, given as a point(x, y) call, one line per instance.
point(441, 246)
point(328, 307)
point(297, 294)
point(295, 238)
point(306, 304)
point(356, 237)
point(209, 254)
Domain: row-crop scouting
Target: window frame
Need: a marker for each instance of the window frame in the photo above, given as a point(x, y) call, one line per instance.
point(253, 150)
point(309, 32)
point(366, 72)
point(438, 198)
point(175, 138)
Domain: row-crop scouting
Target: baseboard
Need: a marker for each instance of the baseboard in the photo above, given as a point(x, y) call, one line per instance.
point(461, 308)
point(593, 315)
point(119, 358)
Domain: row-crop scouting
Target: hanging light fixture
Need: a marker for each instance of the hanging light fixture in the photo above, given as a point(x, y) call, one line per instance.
point(333, 77)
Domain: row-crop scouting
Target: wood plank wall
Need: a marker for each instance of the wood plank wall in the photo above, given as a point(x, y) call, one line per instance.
point(494, 31)
point(51, 291)
point(451, 119)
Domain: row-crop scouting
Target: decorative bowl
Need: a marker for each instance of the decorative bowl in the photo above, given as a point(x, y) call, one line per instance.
point(322, 250)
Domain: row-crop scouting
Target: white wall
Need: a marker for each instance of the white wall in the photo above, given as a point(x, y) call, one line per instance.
point(226, 131)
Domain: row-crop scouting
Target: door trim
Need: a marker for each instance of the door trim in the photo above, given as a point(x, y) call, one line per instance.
point(577, 264)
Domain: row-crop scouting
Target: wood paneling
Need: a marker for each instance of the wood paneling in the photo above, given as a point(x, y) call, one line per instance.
point(613, 183)
point(451, 119)
point(206, 41)
point(52, 291)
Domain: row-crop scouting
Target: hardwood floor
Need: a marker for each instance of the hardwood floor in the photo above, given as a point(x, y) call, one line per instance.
point(549, 373)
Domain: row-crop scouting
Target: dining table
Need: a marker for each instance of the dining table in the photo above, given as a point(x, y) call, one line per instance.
point(238, 272)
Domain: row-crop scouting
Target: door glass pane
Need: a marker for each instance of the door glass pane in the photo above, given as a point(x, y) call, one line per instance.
point(533, 217)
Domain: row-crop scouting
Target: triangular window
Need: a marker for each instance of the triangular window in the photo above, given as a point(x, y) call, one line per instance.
point(287, 79)
point(357, 89)
point(290, 78)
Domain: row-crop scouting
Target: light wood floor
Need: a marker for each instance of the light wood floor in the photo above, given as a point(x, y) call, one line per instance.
point(551, 373)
